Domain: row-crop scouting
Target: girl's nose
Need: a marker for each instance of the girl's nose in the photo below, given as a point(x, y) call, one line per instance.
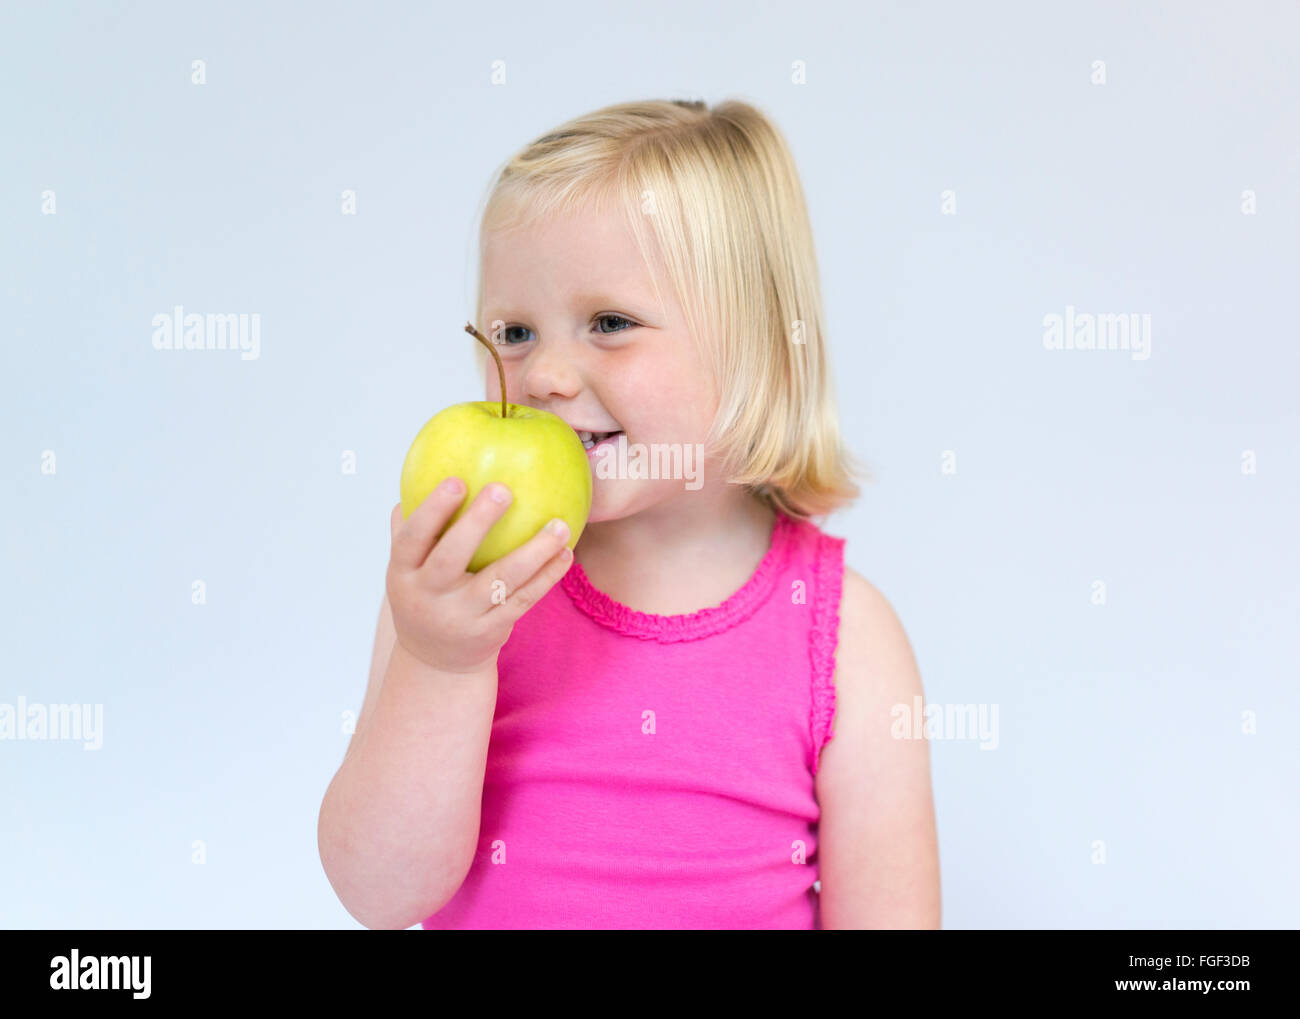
point(551, 375)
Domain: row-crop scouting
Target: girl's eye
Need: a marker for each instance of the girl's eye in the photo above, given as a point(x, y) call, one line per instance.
point(514, 336)
point(617, 318)
point(508, 331)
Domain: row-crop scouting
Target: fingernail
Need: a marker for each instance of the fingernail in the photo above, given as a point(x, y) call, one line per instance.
point(558, 528)
point(452, 486)
point(499, 493)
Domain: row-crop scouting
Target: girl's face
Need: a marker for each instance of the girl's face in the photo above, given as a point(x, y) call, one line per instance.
point(572, 311)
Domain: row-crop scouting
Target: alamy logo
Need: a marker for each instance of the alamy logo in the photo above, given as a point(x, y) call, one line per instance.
point(179, 331)
point(922, 720)
point(101, 973)
point(23, 721)
point(1098, 332)
point(621, 460)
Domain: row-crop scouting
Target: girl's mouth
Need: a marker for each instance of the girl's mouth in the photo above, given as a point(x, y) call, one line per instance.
point(591, 440)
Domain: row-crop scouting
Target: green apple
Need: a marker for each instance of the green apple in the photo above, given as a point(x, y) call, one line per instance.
point(533, 452)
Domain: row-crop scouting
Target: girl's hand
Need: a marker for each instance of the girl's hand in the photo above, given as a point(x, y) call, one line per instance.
point(449, 618)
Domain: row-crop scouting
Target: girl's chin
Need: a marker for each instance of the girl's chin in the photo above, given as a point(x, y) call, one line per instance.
point(604, 503)
point(599, 512)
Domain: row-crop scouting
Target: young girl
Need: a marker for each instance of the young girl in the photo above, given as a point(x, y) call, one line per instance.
point(639, 734)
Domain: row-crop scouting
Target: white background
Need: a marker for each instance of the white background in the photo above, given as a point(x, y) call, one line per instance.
point(1119, 723)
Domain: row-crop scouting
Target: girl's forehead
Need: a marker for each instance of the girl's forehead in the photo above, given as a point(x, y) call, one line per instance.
point(586, 227)
point(574, 258)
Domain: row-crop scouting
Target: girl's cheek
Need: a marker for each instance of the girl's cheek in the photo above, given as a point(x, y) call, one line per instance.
point(514, 380)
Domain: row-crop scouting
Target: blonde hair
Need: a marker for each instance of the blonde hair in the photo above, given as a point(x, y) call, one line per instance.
point(721, 193)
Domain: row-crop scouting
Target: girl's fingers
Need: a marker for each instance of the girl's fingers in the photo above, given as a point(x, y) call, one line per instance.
point(520, 601)
point(451, 556)
point(414, 537)
point(501, 580)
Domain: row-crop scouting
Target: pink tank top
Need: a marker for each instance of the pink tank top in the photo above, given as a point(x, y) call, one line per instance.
point(650, 771)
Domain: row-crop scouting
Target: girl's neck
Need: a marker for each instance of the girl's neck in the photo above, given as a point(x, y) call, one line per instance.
point(679, 557)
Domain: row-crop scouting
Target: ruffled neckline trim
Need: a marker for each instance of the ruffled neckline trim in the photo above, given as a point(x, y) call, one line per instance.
point(693, 625)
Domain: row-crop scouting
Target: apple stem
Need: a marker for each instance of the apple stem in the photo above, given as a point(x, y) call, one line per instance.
point(501, 372)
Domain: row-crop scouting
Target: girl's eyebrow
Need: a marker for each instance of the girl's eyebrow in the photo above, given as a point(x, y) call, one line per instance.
point(598, 298)
point(642, 307)
point(594, 300)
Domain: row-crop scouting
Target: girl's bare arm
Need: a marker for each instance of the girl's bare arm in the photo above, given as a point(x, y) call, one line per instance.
point(877, 840)
point(399, 822)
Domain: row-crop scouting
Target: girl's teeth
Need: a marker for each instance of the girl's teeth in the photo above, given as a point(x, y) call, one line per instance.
point(590, 439)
